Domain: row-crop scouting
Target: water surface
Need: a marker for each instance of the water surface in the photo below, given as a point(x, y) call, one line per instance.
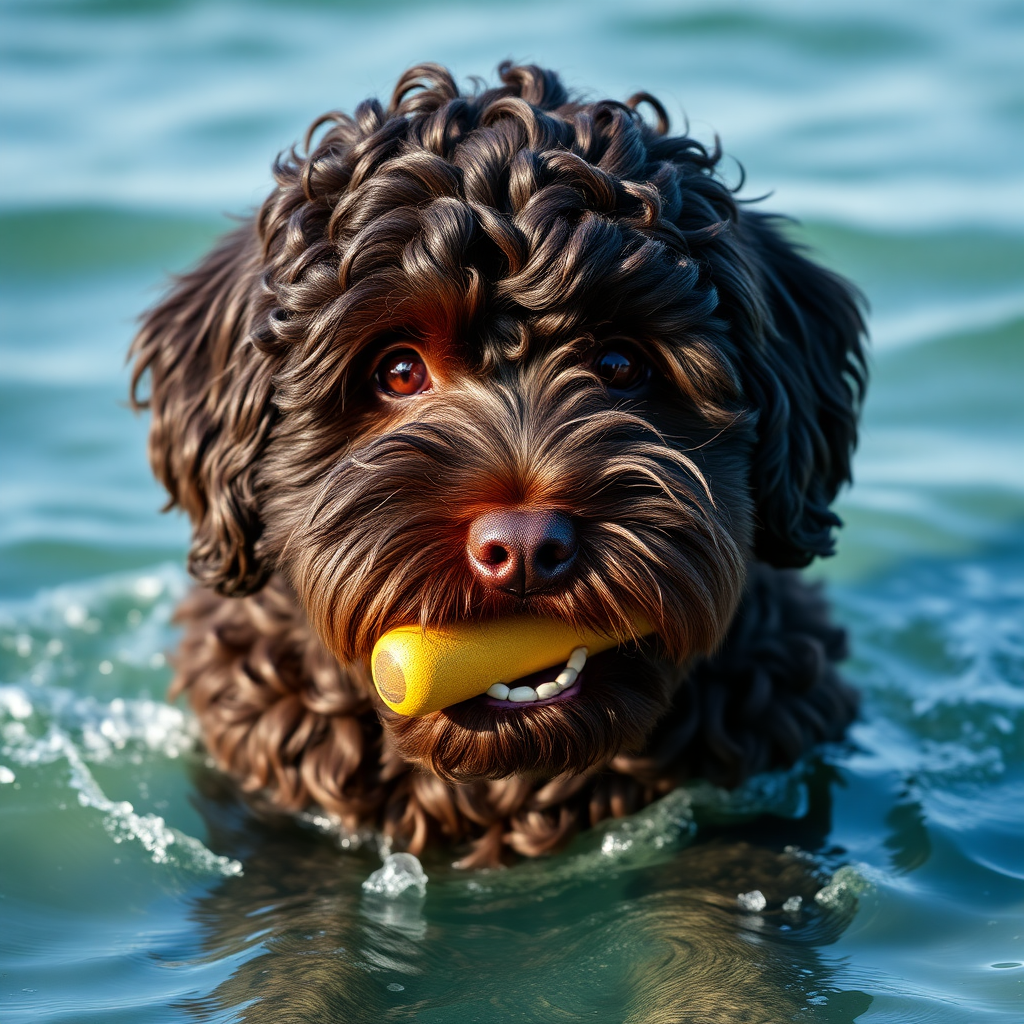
point(881, 880)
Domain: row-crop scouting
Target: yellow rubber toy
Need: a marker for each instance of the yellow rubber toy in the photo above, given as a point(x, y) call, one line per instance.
point(418, 671)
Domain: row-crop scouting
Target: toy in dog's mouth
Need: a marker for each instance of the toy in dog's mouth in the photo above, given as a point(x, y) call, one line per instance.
point(513, 662)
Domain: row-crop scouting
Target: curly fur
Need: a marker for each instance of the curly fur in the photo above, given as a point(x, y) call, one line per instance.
point(281, 715)
point(511, 234)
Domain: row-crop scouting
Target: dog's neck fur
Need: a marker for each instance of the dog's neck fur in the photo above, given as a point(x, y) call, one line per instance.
point(296, 728)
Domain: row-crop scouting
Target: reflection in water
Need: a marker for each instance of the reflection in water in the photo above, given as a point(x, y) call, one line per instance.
point(725, 929)
point(909, 840)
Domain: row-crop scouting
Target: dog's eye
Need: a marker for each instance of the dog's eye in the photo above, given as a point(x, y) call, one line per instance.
point(403, 374)
point(620, 369)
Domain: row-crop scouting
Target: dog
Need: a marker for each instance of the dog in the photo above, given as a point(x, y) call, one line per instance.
point(493, 354)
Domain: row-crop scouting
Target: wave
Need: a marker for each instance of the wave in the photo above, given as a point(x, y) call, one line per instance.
point(62, 654)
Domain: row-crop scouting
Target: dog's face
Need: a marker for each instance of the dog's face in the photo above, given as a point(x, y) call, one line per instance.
point(576, 481)
point(502, 354)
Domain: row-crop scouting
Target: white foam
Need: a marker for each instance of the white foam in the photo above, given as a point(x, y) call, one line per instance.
point(83, 607)
point(754, 901)
point(102, 728)
point(75, 616)
point(346, 838)
point(149, 588)
point(662, 826)
point(14, 702)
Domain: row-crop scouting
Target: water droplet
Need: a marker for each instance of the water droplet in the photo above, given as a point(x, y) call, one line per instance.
point(75, 615)
point(753, 901)
point(148, 587)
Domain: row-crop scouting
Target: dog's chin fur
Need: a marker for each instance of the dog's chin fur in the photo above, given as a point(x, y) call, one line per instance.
point(510, 237)
point(621, 698)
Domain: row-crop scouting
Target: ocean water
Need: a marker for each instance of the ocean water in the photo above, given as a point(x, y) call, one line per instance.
point(880, 880)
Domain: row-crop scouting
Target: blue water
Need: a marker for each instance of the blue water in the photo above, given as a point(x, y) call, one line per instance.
point(134, 887)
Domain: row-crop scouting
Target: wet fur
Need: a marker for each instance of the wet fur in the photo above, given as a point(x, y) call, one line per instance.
point(295, 727)
point(511, 234)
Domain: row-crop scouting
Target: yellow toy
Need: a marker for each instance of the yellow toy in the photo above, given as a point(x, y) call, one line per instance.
point(419, 671)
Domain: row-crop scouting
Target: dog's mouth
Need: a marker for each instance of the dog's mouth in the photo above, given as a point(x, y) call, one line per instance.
point(540, 722)
point(548, 686)
point(608, 708)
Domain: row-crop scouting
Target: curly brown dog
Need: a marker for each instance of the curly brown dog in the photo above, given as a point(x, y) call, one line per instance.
point(500, 354)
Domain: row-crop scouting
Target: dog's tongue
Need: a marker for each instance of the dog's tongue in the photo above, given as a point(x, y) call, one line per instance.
point(418, 671)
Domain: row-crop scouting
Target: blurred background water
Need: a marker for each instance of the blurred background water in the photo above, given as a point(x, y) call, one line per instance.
point(879, 881)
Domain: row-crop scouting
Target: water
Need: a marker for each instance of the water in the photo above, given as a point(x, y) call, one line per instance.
point(881, 880)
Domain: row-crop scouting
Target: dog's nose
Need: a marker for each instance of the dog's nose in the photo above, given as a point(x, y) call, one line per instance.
point(522, 551)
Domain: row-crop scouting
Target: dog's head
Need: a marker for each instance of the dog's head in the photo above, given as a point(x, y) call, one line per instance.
point(499, 353)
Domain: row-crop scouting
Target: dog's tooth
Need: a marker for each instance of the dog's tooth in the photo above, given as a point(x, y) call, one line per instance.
point(522, 694)
point(498, 690)
point(566, 678)
point(546, 690)
point(577, 659)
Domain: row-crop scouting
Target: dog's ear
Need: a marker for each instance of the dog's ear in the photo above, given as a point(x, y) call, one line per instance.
point(211, 409)
point(805, 374)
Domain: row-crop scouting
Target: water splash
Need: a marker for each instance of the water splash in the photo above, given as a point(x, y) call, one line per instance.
point(165, 844)
point(842, 892)
point(401, 872)
point(84, 636)
point(106, 636)
point(345, 838)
